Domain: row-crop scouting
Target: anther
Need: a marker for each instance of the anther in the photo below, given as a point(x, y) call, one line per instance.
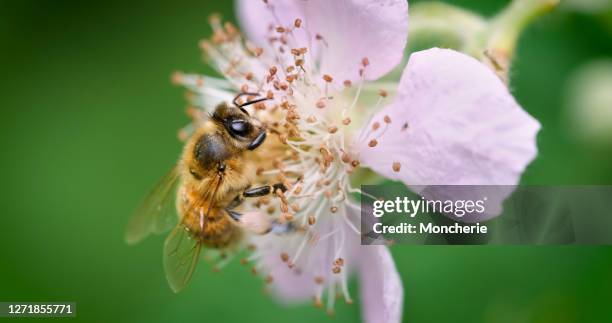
point(396, 166)
point(405, 126)
point(230, 29)
point(332, 129)
point(336, 270)
point(387, 119)
point(327, 78)
point(298, 190)
point(269, 279)
point(355, 163)
point(346, 121)
point(177, 78)
point(284, 257)
point(273, 70)
point(339, 262)
point(311, 119)
point(295, 207)
point(372, 143)
point(345, 158)
point(311, 220)
point(214, 19)
point(333, 209)
point(319, 280)
point(280, 29)
point(297, 23)
point(365, 62)
point(347, 83)
point(375, 126)
point(321, 104)
point(383, 93)
point(258, 51)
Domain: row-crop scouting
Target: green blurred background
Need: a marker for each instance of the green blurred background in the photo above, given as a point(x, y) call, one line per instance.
point(88, 124)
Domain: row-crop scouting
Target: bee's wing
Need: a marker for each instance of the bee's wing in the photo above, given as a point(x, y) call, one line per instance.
point(182, 251)
point(181, 254)
point(157, 213)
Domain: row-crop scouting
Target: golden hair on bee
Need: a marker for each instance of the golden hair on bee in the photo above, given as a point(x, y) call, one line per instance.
point(211, 179)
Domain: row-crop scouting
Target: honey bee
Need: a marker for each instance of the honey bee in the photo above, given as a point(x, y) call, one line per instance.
point(211, 179)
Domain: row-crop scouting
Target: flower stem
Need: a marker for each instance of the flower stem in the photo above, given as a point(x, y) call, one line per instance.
point(501, 37)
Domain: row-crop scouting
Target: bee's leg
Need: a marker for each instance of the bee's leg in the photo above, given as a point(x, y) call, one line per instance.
point(264, 190)
point(236, 202)
point(234, 215)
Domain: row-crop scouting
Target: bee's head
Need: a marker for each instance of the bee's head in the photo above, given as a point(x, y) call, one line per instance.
point(247, 132)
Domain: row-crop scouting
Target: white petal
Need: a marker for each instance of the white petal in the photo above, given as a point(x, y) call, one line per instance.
point(453, 123)
point(382, 293)
point(351, 30)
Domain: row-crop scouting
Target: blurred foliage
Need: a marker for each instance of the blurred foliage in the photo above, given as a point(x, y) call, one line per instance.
point(89, 121)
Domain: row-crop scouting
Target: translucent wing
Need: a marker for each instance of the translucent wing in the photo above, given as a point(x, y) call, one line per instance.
point(181, 254)
point(181, 250)
point(157, 213)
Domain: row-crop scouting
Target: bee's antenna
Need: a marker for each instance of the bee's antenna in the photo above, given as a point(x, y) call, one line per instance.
point(235, 101)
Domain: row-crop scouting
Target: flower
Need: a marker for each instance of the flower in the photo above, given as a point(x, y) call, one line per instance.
point(450, 120)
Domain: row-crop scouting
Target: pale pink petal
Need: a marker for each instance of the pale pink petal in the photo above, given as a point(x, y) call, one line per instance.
point(256, 18)
point(298, 282)
point(350, 29)
point(453, 123)
point(382, 293)
point(288, 285)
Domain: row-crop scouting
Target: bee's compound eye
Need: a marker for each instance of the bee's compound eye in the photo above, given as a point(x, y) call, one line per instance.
point(239, 127)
